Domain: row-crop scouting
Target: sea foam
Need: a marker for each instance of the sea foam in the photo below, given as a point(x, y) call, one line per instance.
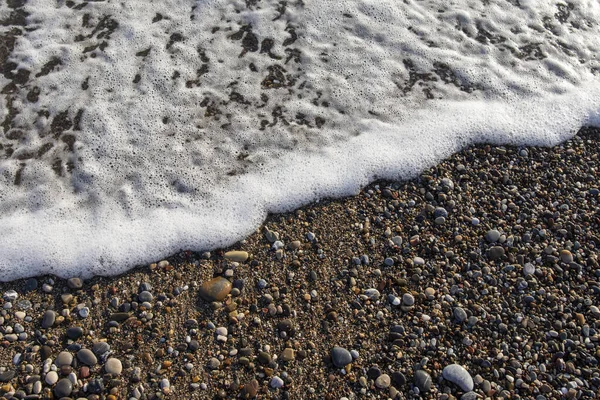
point(142, 128)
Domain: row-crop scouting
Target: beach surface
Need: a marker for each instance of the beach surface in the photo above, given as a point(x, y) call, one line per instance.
point(478, 279)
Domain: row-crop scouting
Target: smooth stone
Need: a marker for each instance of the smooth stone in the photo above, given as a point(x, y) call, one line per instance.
point(566, 256)
point(287, 354)
point(215, 289)
point(469, 396)
point(460, 314)
point(6, 376)
point(145, 296)
point(528, 269)
point(492, 235)
point(496, 253)
point(63, 388)
point(51, 377)
point(276, 382)
point(120, 316)
point(48, 319)
point(408, 299)
point(340, 357)
point(87, 357)
point(399, 379)
point(74, 283)
point(423, 381)
point(383, 381)
point(236, 256)
point(459, 376)
point(10, 295)
point(74, 332)
point(113, 366)
point(250, 389)
point(63, 358)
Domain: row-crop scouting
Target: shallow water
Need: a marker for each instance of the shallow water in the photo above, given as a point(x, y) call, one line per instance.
point(132, 130)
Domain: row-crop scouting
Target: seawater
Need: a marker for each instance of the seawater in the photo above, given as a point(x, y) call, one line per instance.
point(133, 129)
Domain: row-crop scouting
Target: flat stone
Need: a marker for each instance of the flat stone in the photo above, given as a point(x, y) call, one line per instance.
point(145, 296)
point(100, 348)
point(74, 332)
point(63, 358)
point(87, 357)
point(460, 314)
point(287, 354)
point(566, 256)
point(6, 376)
point(408, 299)
point(276, 382)
point(63, 388)
point(459, 376)
point(51, 378)
point(383, 381)
point(492, 235)
point(113, 366)
point(528, 269)
point(74, 283)
point(423, 381)
point(236, 256)
point(215, 289)
point(340, 357)
point(120, 316)
point(48, 319)
point(250, 389)
point(496, 252)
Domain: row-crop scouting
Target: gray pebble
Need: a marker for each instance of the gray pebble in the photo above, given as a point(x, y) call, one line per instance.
point(459, 376)
point(63, 388)
point(87, 357)
point(423, 381)
point(48, 319)
point(460, 314)
point(340, 357)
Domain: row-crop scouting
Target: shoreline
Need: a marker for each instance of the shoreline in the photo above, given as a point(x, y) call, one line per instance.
point(494, 267)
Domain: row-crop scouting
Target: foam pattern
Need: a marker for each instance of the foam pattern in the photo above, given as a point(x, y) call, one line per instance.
point(131, 130)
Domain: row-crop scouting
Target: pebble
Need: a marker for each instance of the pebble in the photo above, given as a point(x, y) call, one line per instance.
point(276, 382)
point(51, 378)
point(6, 376)
point(75, 283)
point(10, 295)
point(48, 319)
point(113, 366)
point(340, 357)
point(408, 299)
point(236, 256)
point(145, 296)
point(74, 332)
point(383, 381)
point(528, 269)
point(460, 314)
point(492, 236)
point(566, 256)
point(215, 289)
point(63, 358)
point(423, 381)
point(63, 388)
point(87, 357)
point(459, 376)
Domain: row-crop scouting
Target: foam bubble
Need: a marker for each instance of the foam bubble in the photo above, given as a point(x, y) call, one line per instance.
point(175, 126)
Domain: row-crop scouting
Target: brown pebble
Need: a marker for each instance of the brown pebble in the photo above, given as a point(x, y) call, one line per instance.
point(215, 289)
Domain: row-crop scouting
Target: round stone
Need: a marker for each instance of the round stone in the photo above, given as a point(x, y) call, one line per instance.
point(459, 376)
point(408, 299)
point(100, 348)
point(215, 289)
point(145, 296)
point(340, 357)
point(528, 269)
point(113, 366)
point(51, 378)
point(430, 293)
point(63, 358)
point(383, 381)
point(75, 283)
point(10, 295)
point(63, 388)
point(496, 253)
point(566, 256)
point(492, 236)
point(276, 382)
point(423, 381)
point(87, 357)
point(74, 332)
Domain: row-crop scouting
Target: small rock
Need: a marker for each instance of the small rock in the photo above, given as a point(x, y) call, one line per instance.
point(215, 289)
point(63, 358)
point(63, 388)
point(75, 283)
point(236, 256)
point(87, 357)
point(423, 381)
point(74, 332)
point(408, 299)
point(250, 389)
point(566, 256)
point(383, 381)
point(492, 236)
point(460, 314)
point(51, 378)
point(340, 357)
point(459, 376)
point(113, 366)
point(276, 382)
point(48, 319)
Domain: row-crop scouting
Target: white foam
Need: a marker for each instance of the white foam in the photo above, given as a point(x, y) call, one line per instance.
point(142, 189)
